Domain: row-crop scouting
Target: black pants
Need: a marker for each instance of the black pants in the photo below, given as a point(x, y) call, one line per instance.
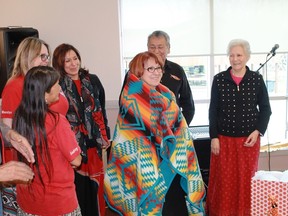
point(175, 204)
point(86, 190)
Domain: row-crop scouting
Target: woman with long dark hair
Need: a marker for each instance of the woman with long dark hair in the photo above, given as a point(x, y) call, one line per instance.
point(52, 192)
point(31, 52)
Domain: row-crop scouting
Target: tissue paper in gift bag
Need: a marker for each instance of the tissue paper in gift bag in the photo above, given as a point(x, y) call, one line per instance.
point(269, 198)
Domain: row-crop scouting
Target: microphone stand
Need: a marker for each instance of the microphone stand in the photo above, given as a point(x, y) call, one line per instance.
point(269, 153)
point(273, 54)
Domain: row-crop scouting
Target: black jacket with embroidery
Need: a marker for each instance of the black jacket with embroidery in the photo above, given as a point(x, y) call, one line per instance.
point(237, 111)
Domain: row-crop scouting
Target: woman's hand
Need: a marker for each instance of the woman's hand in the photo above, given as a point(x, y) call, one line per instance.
point(215, 146)
point(21, 144)
point(252, 139)
point(106, 146)
point(15, 171)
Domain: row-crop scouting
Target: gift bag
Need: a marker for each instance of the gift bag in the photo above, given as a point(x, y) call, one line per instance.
point(269, 198)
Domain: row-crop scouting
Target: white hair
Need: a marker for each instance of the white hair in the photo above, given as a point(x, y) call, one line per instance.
point(239, 42)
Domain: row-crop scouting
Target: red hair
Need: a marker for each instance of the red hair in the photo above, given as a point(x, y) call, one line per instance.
point(136, 66)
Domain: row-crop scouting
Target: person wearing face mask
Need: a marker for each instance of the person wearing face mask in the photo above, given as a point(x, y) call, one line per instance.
point(151, 144)
point(88, 120)
point(31, 52)
point(239, 113)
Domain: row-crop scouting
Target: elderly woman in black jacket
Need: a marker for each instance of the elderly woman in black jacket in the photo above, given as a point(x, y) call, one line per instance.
point(238, 115)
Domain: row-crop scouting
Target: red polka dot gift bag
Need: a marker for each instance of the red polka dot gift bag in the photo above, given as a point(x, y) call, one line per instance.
point(269, 193)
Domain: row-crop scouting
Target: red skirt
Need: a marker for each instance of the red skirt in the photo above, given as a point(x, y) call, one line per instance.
point(229, 189)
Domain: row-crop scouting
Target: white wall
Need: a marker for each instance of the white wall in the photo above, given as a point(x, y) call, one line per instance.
point(92, 26)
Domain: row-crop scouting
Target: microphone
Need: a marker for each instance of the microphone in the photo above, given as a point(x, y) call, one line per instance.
point(276, 46)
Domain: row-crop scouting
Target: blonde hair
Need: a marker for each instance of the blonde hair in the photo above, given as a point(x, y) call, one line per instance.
point(27, 51)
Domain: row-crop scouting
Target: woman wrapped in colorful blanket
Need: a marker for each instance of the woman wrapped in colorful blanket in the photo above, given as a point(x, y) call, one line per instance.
point(151, 144)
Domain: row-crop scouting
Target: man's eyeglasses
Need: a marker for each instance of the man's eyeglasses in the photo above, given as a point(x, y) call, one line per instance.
point(152, 69)
point(44, 57)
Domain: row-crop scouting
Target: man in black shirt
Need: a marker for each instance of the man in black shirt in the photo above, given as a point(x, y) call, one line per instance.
point(174, 76)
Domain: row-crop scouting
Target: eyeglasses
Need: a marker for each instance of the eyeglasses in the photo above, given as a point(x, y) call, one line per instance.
point(44, 57)
point(152, 69)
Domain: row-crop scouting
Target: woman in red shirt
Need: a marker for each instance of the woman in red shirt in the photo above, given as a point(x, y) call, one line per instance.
point(31, 52)
point(52, 191)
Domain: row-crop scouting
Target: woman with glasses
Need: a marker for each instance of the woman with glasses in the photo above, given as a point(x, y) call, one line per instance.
point(151, 144)
point(87, 117)
point(31, 52)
